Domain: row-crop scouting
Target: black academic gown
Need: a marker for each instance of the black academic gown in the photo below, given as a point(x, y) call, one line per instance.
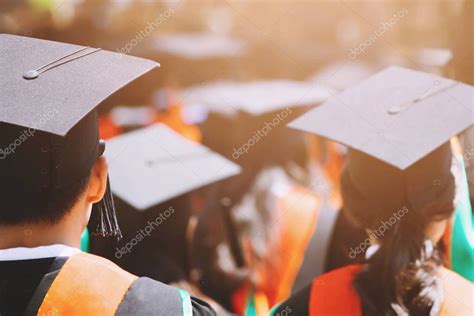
point(24, 284)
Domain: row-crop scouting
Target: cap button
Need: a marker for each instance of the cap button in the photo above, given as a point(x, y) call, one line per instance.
point(31, 74)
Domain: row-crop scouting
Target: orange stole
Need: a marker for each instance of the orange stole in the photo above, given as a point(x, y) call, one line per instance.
point(87, 285)
point(298, 213)
point(332, 293)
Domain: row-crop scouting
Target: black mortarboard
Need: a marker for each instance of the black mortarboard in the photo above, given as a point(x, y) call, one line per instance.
point(342, 75)
point(200, 45)
point(48, 124)
point(397, 124)
point(155, 164)
point(398, 115)
point(255, 98)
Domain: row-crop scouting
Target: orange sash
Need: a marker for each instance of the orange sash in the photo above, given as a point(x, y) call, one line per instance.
point(298, 215)
point(332, 293)
point(87, 285)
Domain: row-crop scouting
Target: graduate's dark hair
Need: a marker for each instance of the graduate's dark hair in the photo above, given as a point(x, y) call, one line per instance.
point(17, 210)
point(401, 276)
point(402, 273)
point(42, 174)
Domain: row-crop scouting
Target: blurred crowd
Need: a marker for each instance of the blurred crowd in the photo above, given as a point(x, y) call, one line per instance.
point(234, 242)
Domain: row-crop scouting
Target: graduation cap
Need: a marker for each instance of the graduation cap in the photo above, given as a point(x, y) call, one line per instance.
point(397, 124)
point(255, 98)
point(155, 164)
point(200, 45)
point(129, 116)
point(342, 75)
point(398, 115)
point(48, 123)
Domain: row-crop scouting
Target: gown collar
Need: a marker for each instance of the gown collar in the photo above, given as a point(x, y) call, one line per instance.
point(50, 251)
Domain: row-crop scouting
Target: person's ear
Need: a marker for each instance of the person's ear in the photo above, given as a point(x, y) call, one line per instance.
point(97, 181)
point(436, 230)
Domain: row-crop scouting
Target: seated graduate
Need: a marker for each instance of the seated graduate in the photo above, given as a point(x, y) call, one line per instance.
point(54, 178)
point(400, 191)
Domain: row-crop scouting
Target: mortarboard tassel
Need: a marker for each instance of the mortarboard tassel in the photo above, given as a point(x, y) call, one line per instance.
point(105, 217)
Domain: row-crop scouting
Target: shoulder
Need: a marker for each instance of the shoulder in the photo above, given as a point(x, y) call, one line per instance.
point(141, 296)
point(149, 297)
point(338, 277)
point(452, 280)
point(319, 295)
point(458, 293)
point(297, 304)
point(332, 288)
point(104, 269)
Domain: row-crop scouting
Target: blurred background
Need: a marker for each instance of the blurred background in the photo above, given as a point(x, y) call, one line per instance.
point(233, 241)
point(250, 39)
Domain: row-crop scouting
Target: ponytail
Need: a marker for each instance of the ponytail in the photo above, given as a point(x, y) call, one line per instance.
point(401, 277)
